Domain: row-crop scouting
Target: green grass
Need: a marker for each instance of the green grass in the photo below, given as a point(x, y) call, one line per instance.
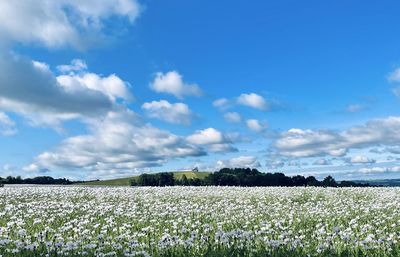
point(126, 181)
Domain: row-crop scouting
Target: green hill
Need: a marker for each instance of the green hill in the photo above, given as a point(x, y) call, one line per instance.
point(126, 181)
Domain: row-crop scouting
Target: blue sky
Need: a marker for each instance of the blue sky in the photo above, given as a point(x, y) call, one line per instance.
point(118, 87)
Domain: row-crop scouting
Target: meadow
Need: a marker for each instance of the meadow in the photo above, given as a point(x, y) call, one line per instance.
point(199, 221)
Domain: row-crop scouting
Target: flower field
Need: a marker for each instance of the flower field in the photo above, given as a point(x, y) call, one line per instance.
point(199, 221)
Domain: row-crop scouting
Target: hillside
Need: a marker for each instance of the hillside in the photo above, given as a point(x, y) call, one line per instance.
point(126, 181)
point(381, 182)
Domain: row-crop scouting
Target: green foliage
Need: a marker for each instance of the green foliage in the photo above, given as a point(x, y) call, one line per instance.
point(41, 180)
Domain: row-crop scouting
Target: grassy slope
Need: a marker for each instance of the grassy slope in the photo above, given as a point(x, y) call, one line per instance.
point(125, 181)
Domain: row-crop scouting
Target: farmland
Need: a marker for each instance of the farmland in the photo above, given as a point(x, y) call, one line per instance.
point(126, 181)
point(199, 221)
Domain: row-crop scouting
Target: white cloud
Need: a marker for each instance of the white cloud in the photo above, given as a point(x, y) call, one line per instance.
point(309, 143)
point(215, 140)
point(244, 162)
point(178, 113)
point(206, 137)
point(221, 103)
point(76, 65)
point(8, 170)
point(253, 100)
point(394, 76)
point(360, 159)
point(172, 83)
point(34, 168)
point(236, 162)
point(233, 117)
point(7, 126)
point(112, 85)
point(31, 89)
point(120, 142)
point(255, 125)
point(63, 22)
point(322, 162)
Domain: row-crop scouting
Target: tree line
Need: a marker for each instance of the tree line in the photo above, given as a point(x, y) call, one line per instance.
point(240, 177)
point(42, 180)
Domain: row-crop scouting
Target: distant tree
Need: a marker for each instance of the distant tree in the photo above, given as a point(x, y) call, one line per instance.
point(147, 180)
point(166, 179)
point(329, 181)
point(312, 181)
point(299, 181)
point(133, 182)
point(184, 180)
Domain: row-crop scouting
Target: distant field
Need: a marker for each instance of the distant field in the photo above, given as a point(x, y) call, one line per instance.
point(126, 181)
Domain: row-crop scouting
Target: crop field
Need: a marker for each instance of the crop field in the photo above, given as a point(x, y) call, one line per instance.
point(126, 181)
point(199, 221)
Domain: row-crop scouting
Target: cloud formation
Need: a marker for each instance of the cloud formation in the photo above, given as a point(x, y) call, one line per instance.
point(7, 126)
point(61, 23)
point(172, 83)
point(213, 139)
point(253, 100)
point(255, 125)
point(31, 89)
point(360, 159)
point(322, 162)
point(221, 103)
point(178, 113)
point(311, 143)
point(233, 117)
point(116, 144)
point(244, 162)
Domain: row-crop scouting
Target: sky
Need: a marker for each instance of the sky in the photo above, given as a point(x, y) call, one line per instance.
point(113, 88)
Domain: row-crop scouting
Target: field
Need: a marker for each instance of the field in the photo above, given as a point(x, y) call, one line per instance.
point(126, 181)
point(199, 221)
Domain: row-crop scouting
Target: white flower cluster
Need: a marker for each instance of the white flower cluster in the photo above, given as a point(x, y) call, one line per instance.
point(199, 221)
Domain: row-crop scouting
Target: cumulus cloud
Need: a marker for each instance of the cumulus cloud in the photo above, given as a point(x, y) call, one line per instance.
point(7, 126)
point(206, 137)
point(310, 143)
point(233, 117)
point(253, 100)
point(360, 159)
point(30, 88)
point(215, 140)
point(255, 125)
point(172, 83)
point(61, 23)
point(120, 142)
point(178, 113)
point(111, 85)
